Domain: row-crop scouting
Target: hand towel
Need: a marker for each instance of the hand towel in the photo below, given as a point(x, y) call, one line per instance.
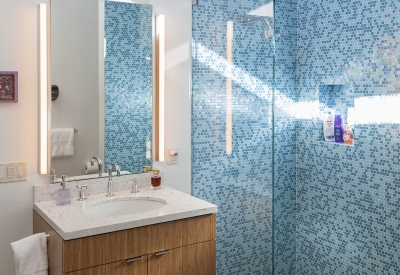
point(62, 142)
point(30, 255)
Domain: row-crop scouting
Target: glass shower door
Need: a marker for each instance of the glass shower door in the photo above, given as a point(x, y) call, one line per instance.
point(232, 129)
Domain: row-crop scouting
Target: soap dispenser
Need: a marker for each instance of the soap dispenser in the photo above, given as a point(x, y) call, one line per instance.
point(63, 195)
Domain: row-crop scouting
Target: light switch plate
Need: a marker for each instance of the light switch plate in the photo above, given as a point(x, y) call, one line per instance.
point(11, 172)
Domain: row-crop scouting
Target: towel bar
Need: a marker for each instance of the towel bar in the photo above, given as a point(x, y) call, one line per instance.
point(47, 236)
point(75, 130)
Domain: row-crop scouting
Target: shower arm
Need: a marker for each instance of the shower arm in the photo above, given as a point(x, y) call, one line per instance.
point(268, 23)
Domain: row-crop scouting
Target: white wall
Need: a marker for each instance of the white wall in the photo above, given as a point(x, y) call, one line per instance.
point(19, 131)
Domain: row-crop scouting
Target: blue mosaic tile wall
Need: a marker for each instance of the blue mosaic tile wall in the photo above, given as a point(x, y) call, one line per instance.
point(348, 196)
point(128, 85)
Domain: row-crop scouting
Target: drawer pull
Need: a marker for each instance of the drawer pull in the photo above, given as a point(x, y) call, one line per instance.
point(163, 252)
point(134, 259)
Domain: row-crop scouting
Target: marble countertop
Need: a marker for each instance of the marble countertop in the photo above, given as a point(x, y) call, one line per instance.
point(72, 222)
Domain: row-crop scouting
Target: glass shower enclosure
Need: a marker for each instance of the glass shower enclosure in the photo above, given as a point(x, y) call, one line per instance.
point(233, 130)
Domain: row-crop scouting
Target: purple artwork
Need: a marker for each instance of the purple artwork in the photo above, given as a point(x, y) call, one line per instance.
point(8, 87)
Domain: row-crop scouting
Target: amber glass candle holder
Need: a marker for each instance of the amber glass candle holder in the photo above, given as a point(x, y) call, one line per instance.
point(155, 180)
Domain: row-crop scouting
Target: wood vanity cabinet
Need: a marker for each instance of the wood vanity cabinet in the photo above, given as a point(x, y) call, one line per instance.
point(180, 247)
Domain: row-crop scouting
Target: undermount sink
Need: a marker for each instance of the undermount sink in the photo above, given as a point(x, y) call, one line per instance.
point(125, 207)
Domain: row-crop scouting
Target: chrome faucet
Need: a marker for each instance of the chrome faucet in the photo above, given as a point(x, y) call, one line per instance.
point(110, 182)
point(53, 177)
point(99, 164)
point(135, 185)
point(82, 195)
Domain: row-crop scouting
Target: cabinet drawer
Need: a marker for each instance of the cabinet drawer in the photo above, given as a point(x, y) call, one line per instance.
point(116, 246)
point(196, 259)
point(91, 251)
point(98, 270)
point(199, 259)
point(168, 263)
point(137, 267)
point(199, 229)
point(129, 267)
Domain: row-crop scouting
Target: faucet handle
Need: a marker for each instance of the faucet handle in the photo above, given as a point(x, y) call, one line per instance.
point(135, 185)
point(82, 196)
point(63, 180)
point(81, 186)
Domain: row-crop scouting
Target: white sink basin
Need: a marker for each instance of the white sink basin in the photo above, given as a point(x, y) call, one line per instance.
point(127, 206)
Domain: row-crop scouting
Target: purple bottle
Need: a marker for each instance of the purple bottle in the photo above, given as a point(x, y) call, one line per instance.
point(339, 128)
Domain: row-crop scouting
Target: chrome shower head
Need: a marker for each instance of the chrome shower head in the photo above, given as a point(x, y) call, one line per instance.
point(250, 20)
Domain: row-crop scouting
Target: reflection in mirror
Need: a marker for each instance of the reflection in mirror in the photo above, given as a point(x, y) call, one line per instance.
point(128, 84)
point(102, 64)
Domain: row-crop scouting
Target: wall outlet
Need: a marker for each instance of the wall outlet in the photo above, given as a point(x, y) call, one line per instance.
point(172, 160)
point(172, 156)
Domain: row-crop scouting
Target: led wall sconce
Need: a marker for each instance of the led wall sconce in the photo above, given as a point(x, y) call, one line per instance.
point(44, 93)
point(229, 59)
point(160, 87)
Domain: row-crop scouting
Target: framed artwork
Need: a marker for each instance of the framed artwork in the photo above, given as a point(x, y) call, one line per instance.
point(8, 87)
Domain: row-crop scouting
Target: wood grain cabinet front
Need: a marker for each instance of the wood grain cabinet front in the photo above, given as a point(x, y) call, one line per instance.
point(199, 259)
point(178, 247)
point(166, 262)
point(196, 259)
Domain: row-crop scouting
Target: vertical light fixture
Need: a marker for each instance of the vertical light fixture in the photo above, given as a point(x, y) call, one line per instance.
point(229, 58)
point(43, 89)
point(160, 91)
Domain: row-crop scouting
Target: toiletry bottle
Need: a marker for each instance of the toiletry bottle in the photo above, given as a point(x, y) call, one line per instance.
point(348, 136)
point(339, 128)
point(156, 180)
point(63, 195)
point(329, 128)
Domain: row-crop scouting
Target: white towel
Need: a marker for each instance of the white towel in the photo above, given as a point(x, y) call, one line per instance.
point(30, 255)
point(62, 142)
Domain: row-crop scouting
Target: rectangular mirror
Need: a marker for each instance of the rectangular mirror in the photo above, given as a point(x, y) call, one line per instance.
point(102, 73)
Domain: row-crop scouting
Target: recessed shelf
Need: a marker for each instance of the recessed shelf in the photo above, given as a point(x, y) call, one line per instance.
point(334, 143)
point(337, 99)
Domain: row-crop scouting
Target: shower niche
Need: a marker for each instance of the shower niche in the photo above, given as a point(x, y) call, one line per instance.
point(335, 98)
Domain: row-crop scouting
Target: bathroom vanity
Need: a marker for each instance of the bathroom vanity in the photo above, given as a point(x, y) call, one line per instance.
point(178, 238)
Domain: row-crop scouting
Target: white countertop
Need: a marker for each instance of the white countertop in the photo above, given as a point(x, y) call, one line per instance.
point(72, 222)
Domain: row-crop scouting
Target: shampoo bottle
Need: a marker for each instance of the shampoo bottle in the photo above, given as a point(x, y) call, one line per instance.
point(329, 129)
point(339, 129)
